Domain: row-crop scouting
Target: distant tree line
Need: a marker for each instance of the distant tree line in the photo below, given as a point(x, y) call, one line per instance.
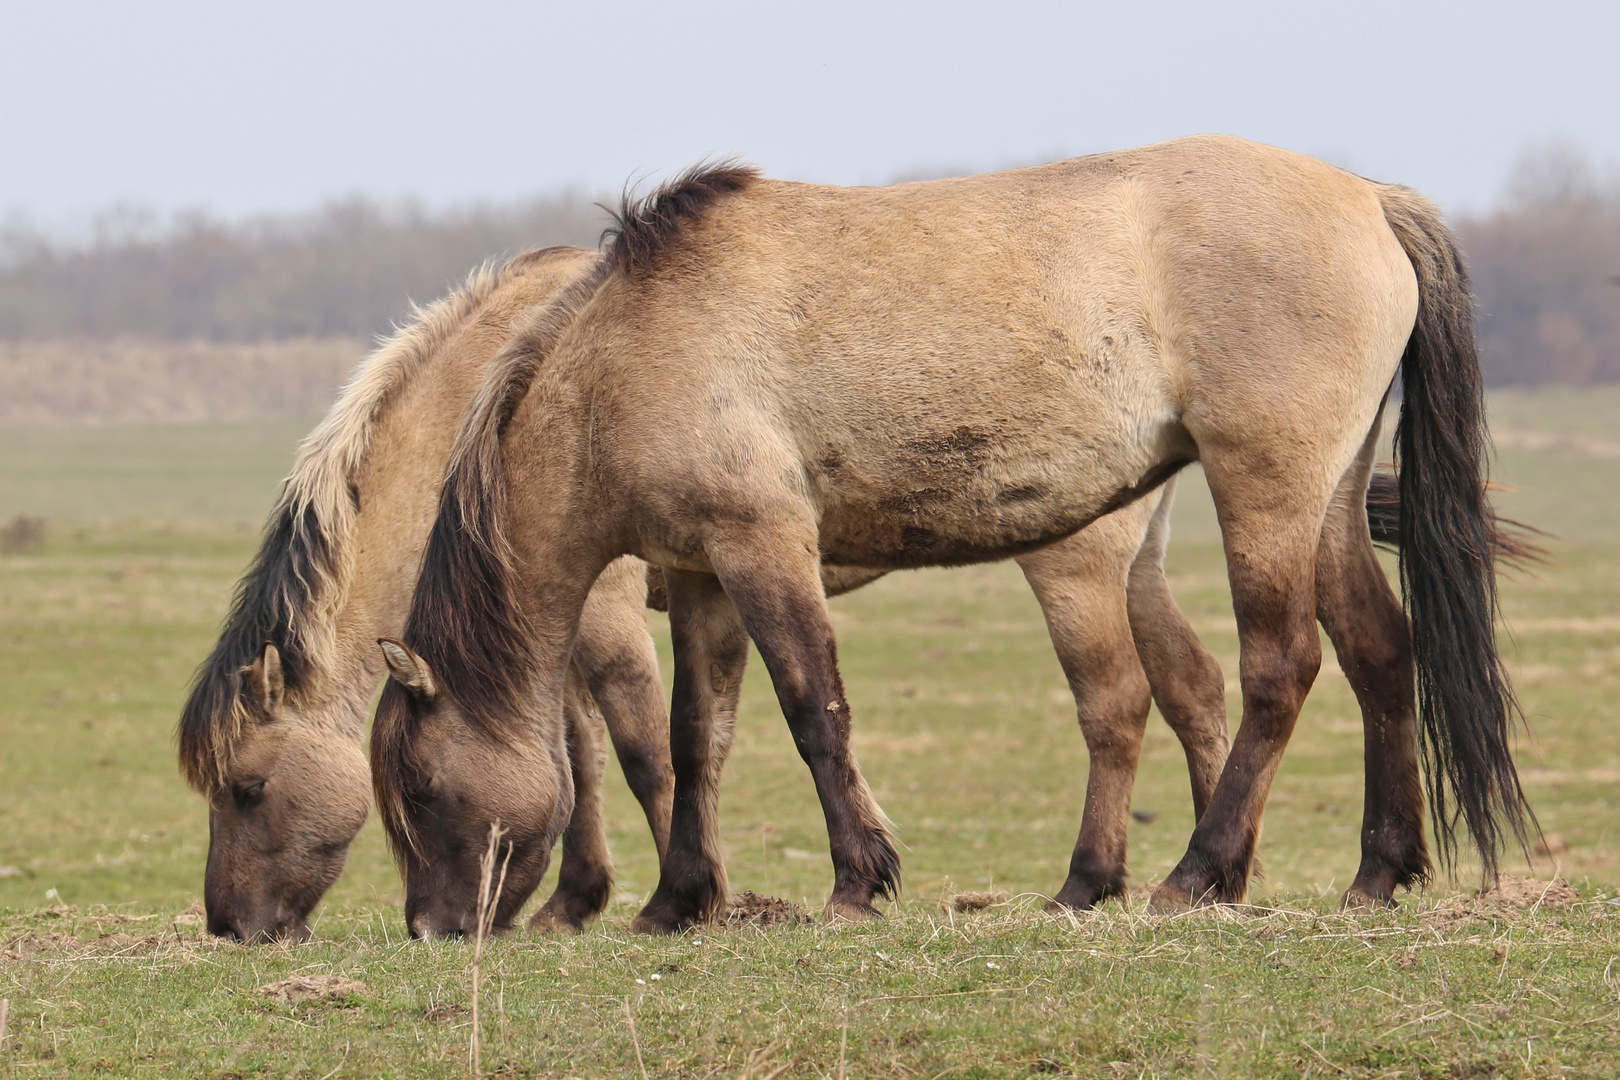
point(1545, 263)
point(348, 270)
point(1546, 272)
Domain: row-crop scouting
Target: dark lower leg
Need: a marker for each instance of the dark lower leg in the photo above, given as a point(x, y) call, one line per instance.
point(1369, 632)
point(1271, 571)
point(1114, 738)
point(711, 650)
point(585, 873)
point(1078, 584)
point(777, 590)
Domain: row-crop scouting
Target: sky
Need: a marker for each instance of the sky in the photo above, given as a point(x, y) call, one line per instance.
point(240, 108)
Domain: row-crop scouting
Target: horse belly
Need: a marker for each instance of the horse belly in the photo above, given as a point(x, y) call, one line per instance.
point(959, 496)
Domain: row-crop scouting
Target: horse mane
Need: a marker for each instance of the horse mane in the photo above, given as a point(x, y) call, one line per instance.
point(646, 231)
point(466, 621)
point(297, 581)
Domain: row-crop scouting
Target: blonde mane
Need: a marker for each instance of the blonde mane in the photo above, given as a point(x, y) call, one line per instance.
point(298, 582)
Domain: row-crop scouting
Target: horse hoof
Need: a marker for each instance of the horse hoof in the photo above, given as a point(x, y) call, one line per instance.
point(1167, 899)
point(545, 921)
point(845, 911)
point(1083, 895)
point(1355, 899)
point(656, 925)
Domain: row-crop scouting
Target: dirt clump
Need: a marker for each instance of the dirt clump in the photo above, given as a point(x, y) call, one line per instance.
point(313, 989)
point(51, 944)
point(749, 908)
point(1511, 898)
point(975, 901)
point(1520, 894)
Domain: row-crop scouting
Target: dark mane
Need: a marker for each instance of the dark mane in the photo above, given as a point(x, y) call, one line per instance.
point(644, 230)
point(279, 588)
point(289, 593)
point(465, 619)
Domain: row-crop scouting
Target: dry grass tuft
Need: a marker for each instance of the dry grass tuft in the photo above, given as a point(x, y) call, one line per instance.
point(313, 990)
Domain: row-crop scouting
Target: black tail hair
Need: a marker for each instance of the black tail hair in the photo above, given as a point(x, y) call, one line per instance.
point(1466, 705)
point(1512, 541)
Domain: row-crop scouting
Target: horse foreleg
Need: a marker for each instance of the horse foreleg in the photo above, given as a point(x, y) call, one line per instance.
point(1080, 584)
point(1186, 680)
point(775, 582)
point(711, 651)
point(585, 873)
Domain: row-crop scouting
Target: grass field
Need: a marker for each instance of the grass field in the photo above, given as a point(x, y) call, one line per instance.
point(965, 730)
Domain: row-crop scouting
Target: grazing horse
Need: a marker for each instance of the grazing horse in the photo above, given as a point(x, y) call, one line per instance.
point(764, 377)
point(271, 733)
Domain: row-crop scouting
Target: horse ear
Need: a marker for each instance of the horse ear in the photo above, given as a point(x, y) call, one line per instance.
point(264, 679)
point(408, 669)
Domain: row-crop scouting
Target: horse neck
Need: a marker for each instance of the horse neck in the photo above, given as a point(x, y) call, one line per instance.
point(398, 485)
point(561, 528)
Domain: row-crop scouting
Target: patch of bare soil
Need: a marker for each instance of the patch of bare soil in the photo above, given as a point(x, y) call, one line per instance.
point(51, 944)
point(975, 901)
point(118, 940)
point(749, 908)
point(442, 1013)
point(1519, 894)
point(313, 989)
point(1511, 899)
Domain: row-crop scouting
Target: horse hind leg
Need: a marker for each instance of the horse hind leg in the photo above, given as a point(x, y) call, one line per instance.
point(711, 651)
point(585, 872)
point(1271, 524)
point(1368, 628)
point(1080, 583)
point(1186, 680)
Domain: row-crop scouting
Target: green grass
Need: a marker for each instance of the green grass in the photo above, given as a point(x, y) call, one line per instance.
point(218, 472)
point(1430, 992)
point(966, 732)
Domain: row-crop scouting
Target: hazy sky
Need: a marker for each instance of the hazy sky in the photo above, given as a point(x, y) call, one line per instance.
point(240, 107)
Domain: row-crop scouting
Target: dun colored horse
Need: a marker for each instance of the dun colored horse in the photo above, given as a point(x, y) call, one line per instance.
point(762, 378)
point(272, 728)
point(272, 731)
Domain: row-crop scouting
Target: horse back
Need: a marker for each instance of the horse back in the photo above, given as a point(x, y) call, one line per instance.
point(963, 369)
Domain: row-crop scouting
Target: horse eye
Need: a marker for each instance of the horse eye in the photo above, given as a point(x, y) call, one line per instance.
point(246, 795)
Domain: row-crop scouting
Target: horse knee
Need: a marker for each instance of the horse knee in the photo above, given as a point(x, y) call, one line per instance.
point(1112, 720)
point(1276, 681)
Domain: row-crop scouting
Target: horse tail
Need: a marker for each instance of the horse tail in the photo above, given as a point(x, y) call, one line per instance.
point(1513, 542)
point(1466, 704)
